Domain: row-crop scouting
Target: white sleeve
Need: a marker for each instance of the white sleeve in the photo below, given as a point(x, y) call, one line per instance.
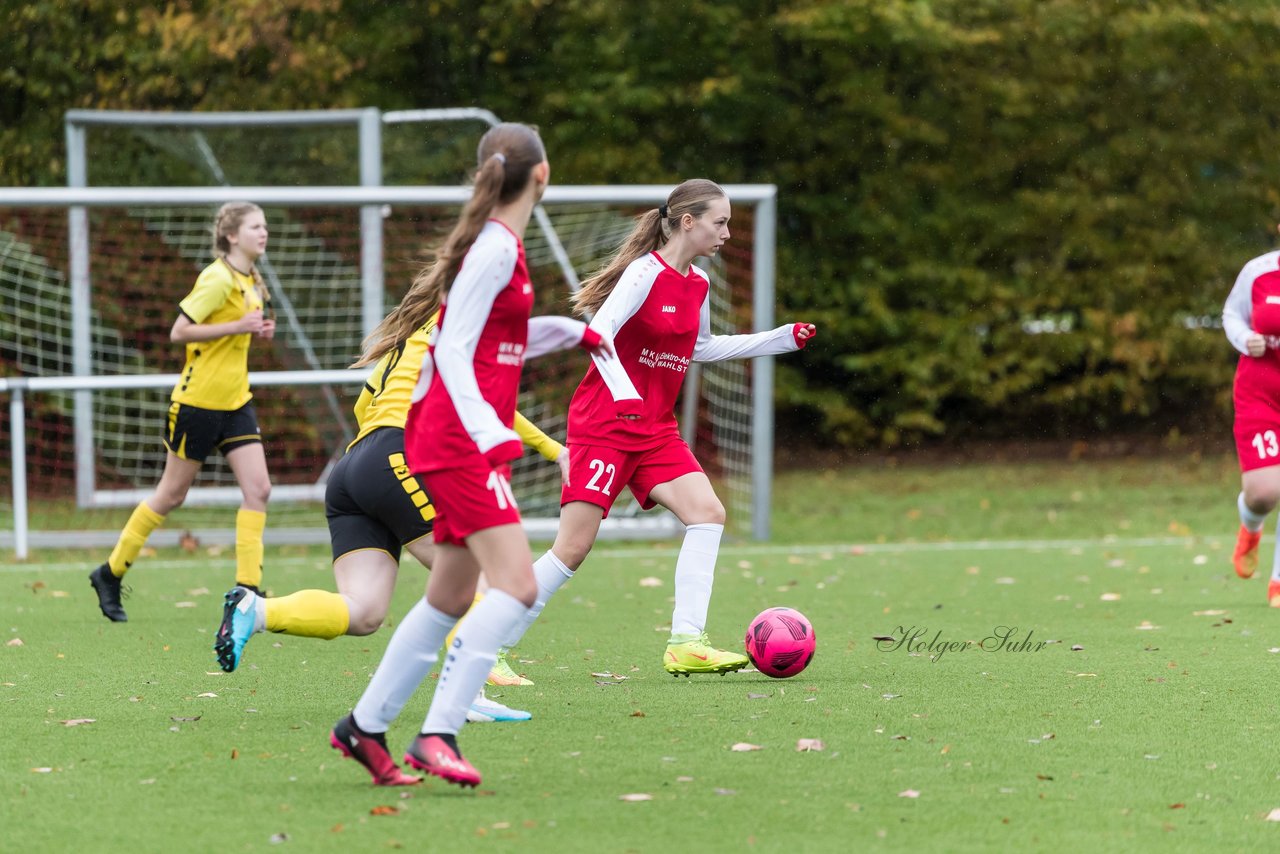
point(1237, 312)
point(619, 307)
point(550, 334)
point(718, 348)
point(487, 271)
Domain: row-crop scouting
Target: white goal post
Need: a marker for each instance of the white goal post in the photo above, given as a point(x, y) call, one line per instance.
point(564, 207)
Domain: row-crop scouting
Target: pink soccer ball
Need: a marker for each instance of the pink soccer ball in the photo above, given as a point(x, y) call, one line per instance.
point(780, 642)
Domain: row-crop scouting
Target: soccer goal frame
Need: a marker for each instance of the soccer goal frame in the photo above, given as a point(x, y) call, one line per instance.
point(369, 198)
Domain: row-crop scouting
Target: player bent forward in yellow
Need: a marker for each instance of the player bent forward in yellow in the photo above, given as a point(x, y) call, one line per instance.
point(375, 507)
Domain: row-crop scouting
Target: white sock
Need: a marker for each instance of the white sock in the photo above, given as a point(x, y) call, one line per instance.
point(551, 574)
point(1251, 521)
point(468, 662)
point(259, 614)
point(1275, 566)
point(414, 648)
point(695, 572)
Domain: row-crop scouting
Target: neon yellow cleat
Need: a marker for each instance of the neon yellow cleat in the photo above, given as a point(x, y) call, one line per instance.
point(694, 654)
point(502, 674)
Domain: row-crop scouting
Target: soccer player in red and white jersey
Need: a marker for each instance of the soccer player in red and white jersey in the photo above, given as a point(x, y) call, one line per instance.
point(459, 441)
point(1251, 320)
point(653, 302)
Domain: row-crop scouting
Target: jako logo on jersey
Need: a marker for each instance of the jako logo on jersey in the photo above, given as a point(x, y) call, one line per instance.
point(668, 309)
point(1273, 300)
point(528, 287)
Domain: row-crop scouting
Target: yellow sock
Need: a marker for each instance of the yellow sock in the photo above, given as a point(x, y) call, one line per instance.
point(309, 614)
point(448, 639)
point(141, 523)
point(249, 527)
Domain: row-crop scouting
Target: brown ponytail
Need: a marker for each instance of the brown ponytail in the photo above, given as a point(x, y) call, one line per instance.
point(506, 155)
point(652, 231)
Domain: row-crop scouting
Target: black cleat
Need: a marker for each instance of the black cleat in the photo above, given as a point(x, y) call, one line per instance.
point(109, 590)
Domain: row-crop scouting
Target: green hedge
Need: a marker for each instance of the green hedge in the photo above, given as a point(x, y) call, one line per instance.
point(954, 174)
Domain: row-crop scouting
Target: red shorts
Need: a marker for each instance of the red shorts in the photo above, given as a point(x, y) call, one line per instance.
point(470, 499)
point(1257, 444)
point(598, 473)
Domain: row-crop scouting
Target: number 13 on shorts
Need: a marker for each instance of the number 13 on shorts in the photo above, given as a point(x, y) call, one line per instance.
point(1266, 444)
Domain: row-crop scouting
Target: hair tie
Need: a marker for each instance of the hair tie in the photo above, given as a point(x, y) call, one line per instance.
point(502, 158)
point(662, 211)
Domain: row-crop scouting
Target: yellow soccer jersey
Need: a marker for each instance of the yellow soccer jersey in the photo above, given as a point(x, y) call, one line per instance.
point(216, 375)
point(384, 401)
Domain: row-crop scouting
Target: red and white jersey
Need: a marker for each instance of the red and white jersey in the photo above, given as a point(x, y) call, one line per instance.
point(465, 399)
point(1254, 306)
point(659, 321)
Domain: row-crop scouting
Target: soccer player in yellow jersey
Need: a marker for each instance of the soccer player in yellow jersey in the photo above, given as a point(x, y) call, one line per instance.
point(211, 404)
point(375, 508)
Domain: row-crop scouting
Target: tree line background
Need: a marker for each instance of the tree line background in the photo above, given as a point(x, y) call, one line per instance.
point(1009, 218)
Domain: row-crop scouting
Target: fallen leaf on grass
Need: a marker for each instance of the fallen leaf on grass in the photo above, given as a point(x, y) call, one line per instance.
point(235, 754)
point(180, 718)
point(198, 591)
point(724, 791)
point(637, 796)
point(15, 642)
point(1211, 613)
point(758, 696)
point(743, 747)
point(188, 542)
point(1006, 580)
point(809, 744)
point(884, 638)
point(637, 714)
point(78, 721)
point(617, 676)
point(1177, 806)
point(909, 793)
point(650, 581)
point(1075, 647)
point(1110, 597)
point(207, 695)
point(277, 838)
point(42, 770)
point(147, 782)
point(1274, 815)
point(184, 604)
point(384, 809)
point(59, 594)
point(1145, 625)
point(684, 779)
point(900, 738)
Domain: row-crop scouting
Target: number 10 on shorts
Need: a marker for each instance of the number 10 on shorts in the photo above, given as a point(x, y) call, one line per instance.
point(501, 490)
point(1266, 444)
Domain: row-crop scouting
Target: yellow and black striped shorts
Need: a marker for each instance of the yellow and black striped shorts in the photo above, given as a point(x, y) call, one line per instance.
point(194, 433)
point(372, 501)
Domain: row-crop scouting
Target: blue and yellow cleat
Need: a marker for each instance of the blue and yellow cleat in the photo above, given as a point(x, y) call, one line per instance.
point(239, 621)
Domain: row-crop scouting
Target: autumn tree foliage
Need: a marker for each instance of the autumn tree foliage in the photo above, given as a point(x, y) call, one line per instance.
point(1009, 217)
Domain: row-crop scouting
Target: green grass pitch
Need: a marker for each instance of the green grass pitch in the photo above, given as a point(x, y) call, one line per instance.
point(1132, 706)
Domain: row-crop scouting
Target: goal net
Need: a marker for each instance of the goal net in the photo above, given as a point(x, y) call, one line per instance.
point(144, 257)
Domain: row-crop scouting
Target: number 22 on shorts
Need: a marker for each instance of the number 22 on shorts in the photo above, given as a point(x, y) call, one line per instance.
point(600, 470)
point(1266, 444)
